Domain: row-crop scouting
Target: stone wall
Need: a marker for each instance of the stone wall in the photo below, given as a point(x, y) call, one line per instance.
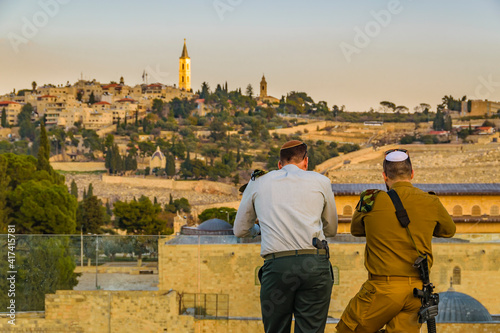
point(132, 312)
point(202, 186)
point(107, 311)
point(232, 270)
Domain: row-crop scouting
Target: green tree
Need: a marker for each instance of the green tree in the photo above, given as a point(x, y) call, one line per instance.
point(43, 151)
point(218, 213)
point(43, 207)
point(170, 166)
point(139, 217)
point(4, 183)
point(90, 191)
point(157, 106)
point(44, 265)
point(4, 118)
point(448, 123)
point(236, 179)
point(92, 99)
point(388, 106)
point(249, 91)
point(438, 123)
point(90, 215)
point(26, 127)
point(74, 189)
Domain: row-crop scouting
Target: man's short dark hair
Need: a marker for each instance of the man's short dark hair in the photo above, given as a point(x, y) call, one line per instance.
point(398, 170)
point(293, 154)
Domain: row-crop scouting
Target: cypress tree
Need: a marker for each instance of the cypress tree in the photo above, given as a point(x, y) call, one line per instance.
point(170, 166)
point(43, 151)
point(4, 118)
point(90, 192)
point(74, 189)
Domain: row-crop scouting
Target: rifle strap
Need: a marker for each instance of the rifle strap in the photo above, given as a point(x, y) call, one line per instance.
point(402, 216)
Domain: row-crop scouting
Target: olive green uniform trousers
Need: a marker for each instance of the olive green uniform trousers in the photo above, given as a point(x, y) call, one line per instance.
point(298, 285)
point(383, 302)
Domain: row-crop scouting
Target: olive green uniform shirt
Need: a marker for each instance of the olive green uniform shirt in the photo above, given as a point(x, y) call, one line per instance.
point(389, 250)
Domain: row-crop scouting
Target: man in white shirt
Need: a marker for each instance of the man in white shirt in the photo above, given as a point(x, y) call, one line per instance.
point(292, 206)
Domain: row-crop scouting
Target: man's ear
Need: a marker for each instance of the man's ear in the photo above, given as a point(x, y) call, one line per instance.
point(280, 165)
point(412, 174)
point(306, 163)
point(385, 177)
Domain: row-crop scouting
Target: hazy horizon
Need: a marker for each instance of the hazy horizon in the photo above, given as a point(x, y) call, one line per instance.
point(346, 53)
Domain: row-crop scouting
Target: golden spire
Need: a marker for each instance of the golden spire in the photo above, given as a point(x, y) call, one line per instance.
point(184, 50)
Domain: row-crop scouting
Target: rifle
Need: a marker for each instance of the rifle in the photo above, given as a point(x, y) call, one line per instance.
point(429, 299)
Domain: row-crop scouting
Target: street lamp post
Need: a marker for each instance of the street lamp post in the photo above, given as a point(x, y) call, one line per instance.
point(96, 259)
point(81, 245)
point(222, 211)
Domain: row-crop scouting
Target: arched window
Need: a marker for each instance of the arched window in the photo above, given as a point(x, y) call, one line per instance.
point(494, 210)
point(182, 66)
point(457, 276)
point(476, 211)
point(183, 79)
point(347, 210)
point(457, 210)
point(336, 275)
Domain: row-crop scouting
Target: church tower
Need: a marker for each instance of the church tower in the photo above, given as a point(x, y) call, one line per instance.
point(263, 87)
point(185, 69)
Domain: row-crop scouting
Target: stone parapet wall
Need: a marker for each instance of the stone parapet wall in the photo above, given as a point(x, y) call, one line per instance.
point(232, 270)
point(202, 186)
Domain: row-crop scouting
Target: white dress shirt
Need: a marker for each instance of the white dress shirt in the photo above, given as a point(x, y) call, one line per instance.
point(292, 205)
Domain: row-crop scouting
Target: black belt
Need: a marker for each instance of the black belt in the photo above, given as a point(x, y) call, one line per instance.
point(293, 253)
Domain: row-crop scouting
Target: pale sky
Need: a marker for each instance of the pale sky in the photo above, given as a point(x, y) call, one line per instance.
point(352, 53)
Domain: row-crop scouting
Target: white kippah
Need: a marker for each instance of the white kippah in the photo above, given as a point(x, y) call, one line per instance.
point(396, 156)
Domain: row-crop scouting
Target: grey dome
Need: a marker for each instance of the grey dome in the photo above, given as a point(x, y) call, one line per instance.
point(455, 307)
point(215, 224)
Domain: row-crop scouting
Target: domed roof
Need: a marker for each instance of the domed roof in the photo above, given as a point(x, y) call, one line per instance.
point(455, 307)
point(215, 224)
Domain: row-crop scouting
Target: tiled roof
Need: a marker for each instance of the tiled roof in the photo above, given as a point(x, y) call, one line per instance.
point(8, 102)
point(439, 189)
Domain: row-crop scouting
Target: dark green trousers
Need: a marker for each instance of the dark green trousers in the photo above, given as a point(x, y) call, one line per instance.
point(296, 285)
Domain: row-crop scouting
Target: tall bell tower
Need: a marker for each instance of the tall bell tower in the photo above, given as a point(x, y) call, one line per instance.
point(263, 87)
point(185, 69)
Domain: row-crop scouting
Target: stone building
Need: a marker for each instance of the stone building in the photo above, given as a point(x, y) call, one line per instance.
point(12, 110)
point(158, 160)
point(480, 108)
point(474, 207)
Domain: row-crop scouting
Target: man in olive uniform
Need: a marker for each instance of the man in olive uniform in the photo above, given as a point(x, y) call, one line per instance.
point(292, 206)
point(386, 298)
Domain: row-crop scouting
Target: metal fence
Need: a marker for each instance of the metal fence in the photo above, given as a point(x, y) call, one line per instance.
point(41, 264)
point(204, 306)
